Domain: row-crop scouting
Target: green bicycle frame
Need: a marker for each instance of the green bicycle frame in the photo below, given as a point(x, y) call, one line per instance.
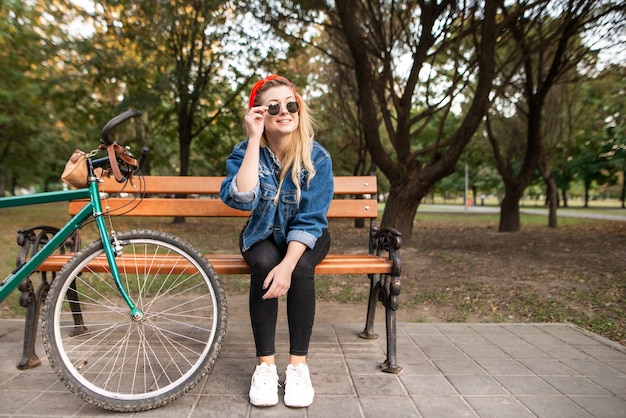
point(92, 208)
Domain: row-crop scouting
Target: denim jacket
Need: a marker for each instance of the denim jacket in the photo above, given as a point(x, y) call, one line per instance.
point(287, 221)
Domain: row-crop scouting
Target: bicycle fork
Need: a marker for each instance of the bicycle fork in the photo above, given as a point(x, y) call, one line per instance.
point(111, 250)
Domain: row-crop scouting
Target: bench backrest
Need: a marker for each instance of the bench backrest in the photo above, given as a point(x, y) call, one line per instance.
point(355, 197)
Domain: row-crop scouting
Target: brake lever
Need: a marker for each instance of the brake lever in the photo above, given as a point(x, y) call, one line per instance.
point(142, 157)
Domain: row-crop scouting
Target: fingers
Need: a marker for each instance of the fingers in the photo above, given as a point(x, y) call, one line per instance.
point(255, 121)
point(257, 113)
point(274, 291)
point(275, 287)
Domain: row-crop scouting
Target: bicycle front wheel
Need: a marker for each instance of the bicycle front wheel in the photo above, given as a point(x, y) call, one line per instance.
point(121, 363)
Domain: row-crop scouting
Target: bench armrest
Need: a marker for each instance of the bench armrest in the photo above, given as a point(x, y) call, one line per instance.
point(30, 240)
point(387, 240)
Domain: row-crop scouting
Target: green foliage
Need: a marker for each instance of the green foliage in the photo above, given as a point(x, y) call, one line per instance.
point(29, 129)
point(599, 152)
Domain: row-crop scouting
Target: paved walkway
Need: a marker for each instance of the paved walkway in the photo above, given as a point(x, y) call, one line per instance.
point(611, 215)
point(450, 370)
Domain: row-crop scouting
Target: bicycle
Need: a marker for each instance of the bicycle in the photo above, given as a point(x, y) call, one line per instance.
point(123, 327)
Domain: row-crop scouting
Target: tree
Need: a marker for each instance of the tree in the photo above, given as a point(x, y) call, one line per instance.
point(547, 39)
point(178, 61)
point(29, 129)
point(610, 103)
point(558, 132)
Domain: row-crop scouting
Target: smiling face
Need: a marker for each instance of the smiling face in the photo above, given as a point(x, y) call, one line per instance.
point(285, 122)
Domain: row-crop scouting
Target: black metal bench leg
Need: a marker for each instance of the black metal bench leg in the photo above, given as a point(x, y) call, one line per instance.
point(32, 301)
point(31, 240)
point(388, 295)
point(368, 332)
point(391, 301)
point(391, 365)
point(77, 315)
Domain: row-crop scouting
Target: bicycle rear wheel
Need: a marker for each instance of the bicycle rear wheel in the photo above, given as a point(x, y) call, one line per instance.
point(126, 364)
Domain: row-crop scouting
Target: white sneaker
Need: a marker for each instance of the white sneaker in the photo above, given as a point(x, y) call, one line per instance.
point(298, 388)
point(264, 385)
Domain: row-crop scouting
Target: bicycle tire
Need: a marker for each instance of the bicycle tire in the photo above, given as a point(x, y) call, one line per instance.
point(123, 364)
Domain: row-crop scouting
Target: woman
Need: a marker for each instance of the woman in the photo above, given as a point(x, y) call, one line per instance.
point(285, 179)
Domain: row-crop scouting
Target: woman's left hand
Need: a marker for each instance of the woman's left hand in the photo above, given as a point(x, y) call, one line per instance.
point(278, 280)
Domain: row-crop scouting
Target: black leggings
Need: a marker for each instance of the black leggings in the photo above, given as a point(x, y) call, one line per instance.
point(263, 257)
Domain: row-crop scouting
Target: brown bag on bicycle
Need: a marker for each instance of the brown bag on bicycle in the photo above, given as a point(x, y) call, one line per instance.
point(75, 172)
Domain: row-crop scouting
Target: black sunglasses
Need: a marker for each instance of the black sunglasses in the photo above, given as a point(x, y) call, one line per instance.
point(274, 108)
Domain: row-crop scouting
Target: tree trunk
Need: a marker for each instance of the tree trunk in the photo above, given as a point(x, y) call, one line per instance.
point(552, 191)
point(509, 209)
point(401, 207)
point(360, 222)
point(13, 184)
point(3, 183)
point(553, 199)
point(623, 197)
point(184, 141)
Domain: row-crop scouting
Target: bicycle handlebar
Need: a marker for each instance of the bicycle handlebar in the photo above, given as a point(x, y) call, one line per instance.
point(113, 123)
point(117, 155)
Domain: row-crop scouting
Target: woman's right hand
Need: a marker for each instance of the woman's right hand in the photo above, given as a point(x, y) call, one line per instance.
point(248, 174)
point(255, 122)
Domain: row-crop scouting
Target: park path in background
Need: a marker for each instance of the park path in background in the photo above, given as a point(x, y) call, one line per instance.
point(569, 213)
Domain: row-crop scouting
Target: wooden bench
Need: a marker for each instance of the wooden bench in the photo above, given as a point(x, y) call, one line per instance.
point(355, 198)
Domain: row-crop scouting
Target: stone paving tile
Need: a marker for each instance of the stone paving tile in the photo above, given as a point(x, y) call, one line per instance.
point(16, 400)
point(443, 352)
point(377, 406)
point(428, 386)
point(335, 406)
point(591, 367)
point(420, 329)
point(602, 407)
point(523, 350)
point(411, 366)
point(503, 367)
point(526, 385)
point(381, 384)
point(443, 406)
point(548, 367)
point(614, 384)
point(469, 340)
point(554, 407)
point(619, 365)
point(576, 386)
point(566, 352)
point(468, 385)
point(499, 406)
point(221, 384)
point(603, 353)
point(221, 406)
point(458, 366)
point(484, 352)
point(536, 336)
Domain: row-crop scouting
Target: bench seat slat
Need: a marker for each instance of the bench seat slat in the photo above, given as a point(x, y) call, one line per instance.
point(229, 264)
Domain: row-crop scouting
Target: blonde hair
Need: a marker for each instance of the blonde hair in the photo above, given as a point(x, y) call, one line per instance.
point(298, 156)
